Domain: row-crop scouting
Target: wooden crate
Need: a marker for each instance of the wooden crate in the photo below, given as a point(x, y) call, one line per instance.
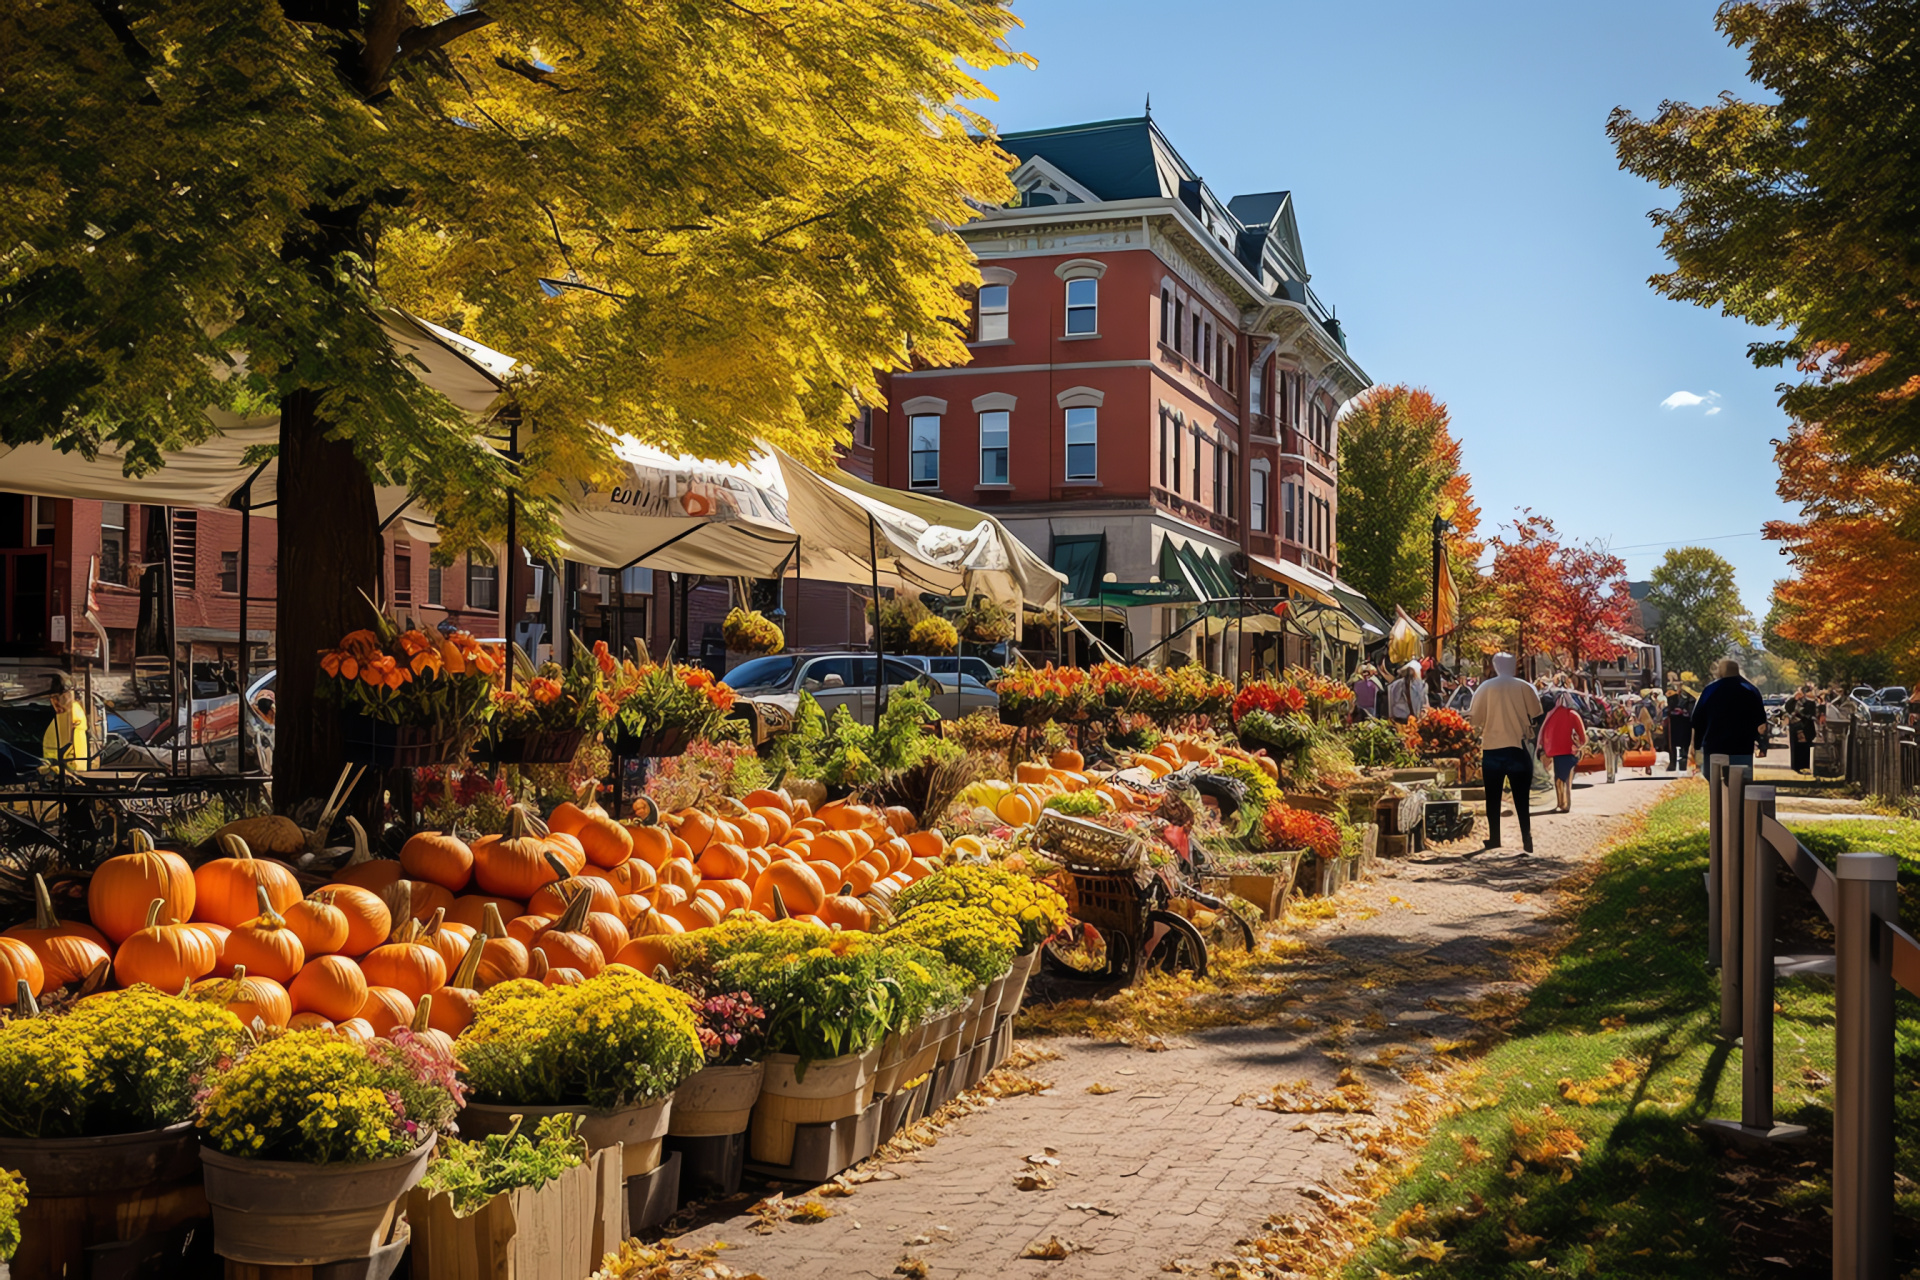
point(557, 1232)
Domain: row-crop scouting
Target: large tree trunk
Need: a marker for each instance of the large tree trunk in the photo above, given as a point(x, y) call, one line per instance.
point(329, 553)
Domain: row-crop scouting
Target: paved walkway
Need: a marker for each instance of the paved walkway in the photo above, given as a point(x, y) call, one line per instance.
point(1164, 1158)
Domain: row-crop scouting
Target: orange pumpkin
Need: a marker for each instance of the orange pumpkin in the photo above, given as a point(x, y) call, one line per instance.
point(19, 964)
point(567, 944)
point(387, 1008)
point(375, 875)
point(695, 913)
point(648, 953)
point(309, 1022)
point(608, 931)
point(453, 1004)
point(265, 946)
point(900, 819)
point(513, 865)
point(630, 907)
point(799, 886)
point(837, 847)
point(572, 854)
point(723, 862)
point(553, 899)
point(735, 894)
point(248, 996)
point(440, 858)
point(226, 889)
point(358, 1030)
point(406, 964)
point(631, 876)
point(1069, 759)
point(318, 923)
point(696, 827)
point(777, 820)
point(651, 845)
point(754, 829)
point(160, 954)
point(843, 912)
point(681, 872)
point(123, 886)
point(217, 934)
point(368, 920)
point(426, 898)
point(605, 842)
point(331, 986)
point(569, 816)
point(470, 909)
point(451, 941)
point(523, 929)
point(768, 799)
point(860, 878)
point(67, 952)
point(928, 844)
point(501, 957)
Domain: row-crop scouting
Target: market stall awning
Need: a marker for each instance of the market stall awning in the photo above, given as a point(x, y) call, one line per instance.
point(1369, 618)
point(1199, 566)
point(1314, 586)
point(1082, 559)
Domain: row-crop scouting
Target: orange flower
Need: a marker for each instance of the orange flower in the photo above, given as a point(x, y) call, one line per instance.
point(415, 642)
point(330, 661)
point(543, 690)
point(426, 660)
point(604, 657)
point(364, 645)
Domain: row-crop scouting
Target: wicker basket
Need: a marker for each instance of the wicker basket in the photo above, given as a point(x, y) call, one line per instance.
point(1079, 843)
point(1105, 900)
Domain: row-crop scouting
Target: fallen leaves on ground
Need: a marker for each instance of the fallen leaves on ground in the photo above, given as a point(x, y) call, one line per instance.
point(810, 1212)
point(1585, 1093)
point(1097, 1088)
point(1349, 1095)
point(912, 1269)
point(1052, 1249)
point(1034, 1180)
point(667, 1261)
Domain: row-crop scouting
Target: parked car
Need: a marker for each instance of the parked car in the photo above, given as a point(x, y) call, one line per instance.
point(979, 668)
point(851, 680)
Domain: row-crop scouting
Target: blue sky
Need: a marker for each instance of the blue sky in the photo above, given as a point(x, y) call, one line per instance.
point(1461, 207)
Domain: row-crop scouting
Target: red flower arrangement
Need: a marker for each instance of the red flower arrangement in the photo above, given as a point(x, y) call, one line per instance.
point(1289, 828)
point(1442, 732)
point(1268, 696)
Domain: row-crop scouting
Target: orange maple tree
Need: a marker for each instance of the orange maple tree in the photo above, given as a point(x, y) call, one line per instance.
point(1566, 599)
point(1855, 547)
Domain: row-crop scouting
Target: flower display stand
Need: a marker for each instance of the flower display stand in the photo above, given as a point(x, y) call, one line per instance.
point(542, 746)
point(640, 1131)
point(556, 1232)
point(708, 1132)
point(365, 740)
point(1002, 1040)
point(831, 1090)
point(136, 1189)
point(819, 1151)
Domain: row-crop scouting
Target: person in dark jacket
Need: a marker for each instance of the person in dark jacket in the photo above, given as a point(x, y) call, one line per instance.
point(1802, 714)
point(1679, 727)
point(1728, 719)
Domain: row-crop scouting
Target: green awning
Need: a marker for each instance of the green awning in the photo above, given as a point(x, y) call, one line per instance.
point(1129, 594)
point(1082, 558)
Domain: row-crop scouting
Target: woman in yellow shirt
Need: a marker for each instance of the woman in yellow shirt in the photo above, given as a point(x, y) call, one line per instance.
point(65, 742)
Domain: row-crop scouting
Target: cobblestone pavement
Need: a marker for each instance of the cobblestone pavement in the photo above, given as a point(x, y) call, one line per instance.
point(1166, 1169)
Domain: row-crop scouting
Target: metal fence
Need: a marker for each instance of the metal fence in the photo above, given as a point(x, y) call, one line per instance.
point(1881, 759)
point(1872, 955)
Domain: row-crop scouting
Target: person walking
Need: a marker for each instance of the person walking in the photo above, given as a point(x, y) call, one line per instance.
point(1503, 710)
point(1562, 734)
point(1802, 714)
point(1643, 728)
point(1366, 694)
point(1407, 696)
point(1728, 719)
point(1679, 727)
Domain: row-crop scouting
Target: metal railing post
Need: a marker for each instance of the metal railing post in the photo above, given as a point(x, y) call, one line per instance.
point(1863, 1068)
point(1732, 829)
point(1716, 768)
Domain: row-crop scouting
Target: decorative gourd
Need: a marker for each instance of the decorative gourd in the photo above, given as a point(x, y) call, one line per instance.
point(567, 943)
point(265, 945)
point(249, 996)
point(440, 858)
point(225, 889)
point(162, 953)
point(449, 942)
point(553, 899)
point(67, 952)
point(513, 865)
point(405, 963)
point(470, 909)
point(331, 986)
point(122, 886)
point(845, 912)
point(19, 964)
point(318, 923)
point(387, 1008)
point(502, 958)
point(358, 1030)
point(368, 920)
point(798, 884)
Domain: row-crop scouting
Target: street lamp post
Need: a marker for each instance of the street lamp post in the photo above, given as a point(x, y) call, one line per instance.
point(1441, 528)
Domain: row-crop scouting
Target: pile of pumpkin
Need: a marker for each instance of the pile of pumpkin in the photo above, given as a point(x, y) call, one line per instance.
point(1023, 800)
point(411, 942)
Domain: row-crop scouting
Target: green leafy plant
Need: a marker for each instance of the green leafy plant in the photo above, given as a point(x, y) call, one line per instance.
point(984, 622)
point(933, 636)
point(320, 1098)
point(615, 1040)
point(854, 754)
point(1378, 744)
point(973, 936)
point(924, 985)
point(473, 1173)
point(897, 617)
point(797, 751)
point(13, 1200)
point(1289, 738)
point(824, 992)
point(1261, 790)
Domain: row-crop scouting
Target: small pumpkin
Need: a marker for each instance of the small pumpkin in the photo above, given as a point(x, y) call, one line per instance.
point(249, 996)
point(387, 1008)
point(567, 943)
point(449, 940)
point(19, 965)
point(605, 842)
point(553, 899)
point(331, 986)
point(318, 923)
point(502, 958)
point(440, 858)
point(652, 845)
point(405, 963)
point(368, 920)
point(67, 952)
point(631, 876)
point(470, 909)
point(438, 1041)
point(226, 889)
point(161, 953)
point(843, 911)
point(799, 887)
point(122, 886)
point(265, 945)
point(513, 865)
point(453, 1004)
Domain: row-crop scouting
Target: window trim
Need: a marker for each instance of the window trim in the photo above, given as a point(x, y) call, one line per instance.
point(914, 481)
point(1259, 494)
point(1067, 472)
point(1089, 309)
point(488, 574)
point(1004, 448)
point(1003, 313)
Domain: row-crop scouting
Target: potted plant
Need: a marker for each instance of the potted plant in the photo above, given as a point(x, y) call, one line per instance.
point(13, 1202)
point(664, 707)
point(974, 937)
point(544, 720)
point(984, 622)
point(1443, 733)
point(310, 1139)
point(407, 698)
point(1031, 696)
point(96, 1104)
point(514, 1204)
point(932, 635)
point(1285, 829)
point(752, 632)
point(1033, 910)
point(611, 1049)
point(712, 1109)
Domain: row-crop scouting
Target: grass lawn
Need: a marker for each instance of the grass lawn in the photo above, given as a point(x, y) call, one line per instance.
point(1575, 1148)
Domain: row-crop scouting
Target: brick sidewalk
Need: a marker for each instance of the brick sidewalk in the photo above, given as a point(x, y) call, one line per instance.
point(1166, 1172)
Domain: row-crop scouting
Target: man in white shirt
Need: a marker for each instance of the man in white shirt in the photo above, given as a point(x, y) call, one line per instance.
point(1504, 709)
point(1407, 696)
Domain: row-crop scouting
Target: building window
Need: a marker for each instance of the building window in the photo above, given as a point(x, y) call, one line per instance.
point(866, 427)
point(1288, 514)
point(230, 573)
point(1083, 306)
point(995, 429)
point(1196, 349)
point(483, 585)
point(44, 526)
point(1219, 479)
point(1226, 363)
point(1207, 349)
point(1196, 462)
point(993, 312)
point(1179, 430)
point(402, 574)
point(113, 542)
point(1169, 335)
point(1257, 502)
point(1166, 429)
point(923, 451)
point(1179, 322)
point(1083, 444)
point(1257, 388)
point(435, 591)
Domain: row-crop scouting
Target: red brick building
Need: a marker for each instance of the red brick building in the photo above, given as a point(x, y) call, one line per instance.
point(1153, 390)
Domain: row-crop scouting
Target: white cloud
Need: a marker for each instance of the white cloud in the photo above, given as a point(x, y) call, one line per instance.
point(1688, 400)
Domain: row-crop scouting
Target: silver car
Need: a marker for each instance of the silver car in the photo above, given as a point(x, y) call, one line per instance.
point(852, 680)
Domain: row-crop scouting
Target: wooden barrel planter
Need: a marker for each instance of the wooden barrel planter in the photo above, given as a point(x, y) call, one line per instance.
point(367, 741)
point(542, 746)
point(716, 1101)
point(831, 1089)
point(641, 1130)
point(94, 1191)
point(288, 1213)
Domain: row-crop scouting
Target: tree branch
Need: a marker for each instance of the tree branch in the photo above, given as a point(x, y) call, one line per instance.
point(426, 39)
point(384, 20)
point(521, 67)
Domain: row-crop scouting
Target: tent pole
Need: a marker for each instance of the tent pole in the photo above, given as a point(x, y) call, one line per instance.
point(505, 577)
point(879, 645)
point(246, 548)
point(796, 589)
